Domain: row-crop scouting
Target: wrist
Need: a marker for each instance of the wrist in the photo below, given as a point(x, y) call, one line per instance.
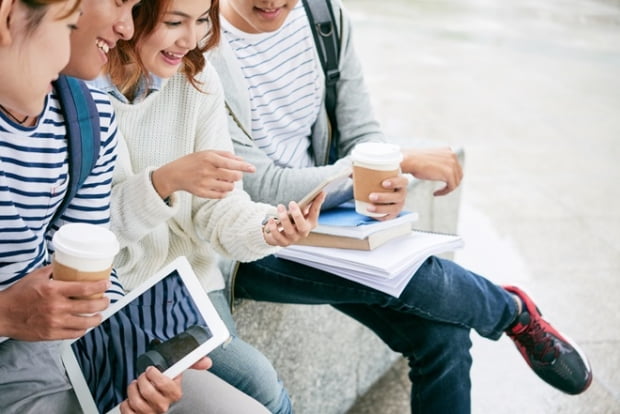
point(264, 223)
point(4, 317)
point(164, 195)
point(266, 230)
point(408, 162)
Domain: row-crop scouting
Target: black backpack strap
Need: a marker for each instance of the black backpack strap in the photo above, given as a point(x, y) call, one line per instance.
point(326, 38)
point(83, 133)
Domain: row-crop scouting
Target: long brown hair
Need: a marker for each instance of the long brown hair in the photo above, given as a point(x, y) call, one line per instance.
point(146, 16)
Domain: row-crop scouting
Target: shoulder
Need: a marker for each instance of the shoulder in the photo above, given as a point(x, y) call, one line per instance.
point(222, 58)
point(76, 96)
point(210, 79)
point(81, 92)
point(184, 97)
point(99, 96)
point(106, 117)
point(341, 17)
point(102, 102)
point(207, 80)
point(76, 101)
point(343, 20)
point(336, 5)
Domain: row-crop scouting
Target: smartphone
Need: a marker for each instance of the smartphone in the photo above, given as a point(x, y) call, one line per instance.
point(326, 185)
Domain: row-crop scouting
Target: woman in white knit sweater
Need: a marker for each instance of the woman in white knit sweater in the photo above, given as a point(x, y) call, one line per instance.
point(176, 188)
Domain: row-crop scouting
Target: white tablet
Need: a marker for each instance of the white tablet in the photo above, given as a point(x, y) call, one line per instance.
point(168, 321)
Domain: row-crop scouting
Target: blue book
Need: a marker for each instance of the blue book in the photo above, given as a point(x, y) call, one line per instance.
point(345, 221)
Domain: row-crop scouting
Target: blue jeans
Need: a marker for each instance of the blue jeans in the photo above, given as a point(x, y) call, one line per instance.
point(429, 323)
point(245, 367)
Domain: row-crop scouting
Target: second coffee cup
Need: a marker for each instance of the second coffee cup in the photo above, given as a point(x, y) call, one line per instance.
point(83, 252)
point(373, 162)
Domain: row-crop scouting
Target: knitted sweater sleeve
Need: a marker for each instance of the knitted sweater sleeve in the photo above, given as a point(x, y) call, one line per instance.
point(156, 134)
point(232, 225)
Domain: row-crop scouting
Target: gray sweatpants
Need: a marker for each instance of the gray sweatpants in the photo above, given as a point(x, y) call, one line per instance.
point(33, 380)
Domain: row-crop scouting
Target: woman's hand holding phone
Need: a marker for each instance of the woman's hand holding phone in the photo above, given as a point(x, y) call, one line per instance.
point(294, 223)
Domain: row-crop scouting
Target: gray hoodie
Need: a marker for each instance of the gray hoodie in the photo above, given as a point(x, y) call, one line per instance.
point(275, 184)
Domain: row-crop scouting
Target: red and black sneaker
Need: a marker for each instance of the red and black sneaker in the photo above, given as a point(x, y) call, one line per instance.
point(552, 356)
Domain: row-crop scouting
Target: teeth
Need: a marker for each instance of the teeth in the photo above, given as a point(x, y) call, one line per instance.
point(103, 46)
point(174, 55)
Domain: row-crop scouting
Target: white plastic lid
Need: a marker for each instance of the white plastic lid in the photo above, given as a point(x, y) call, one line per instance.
point(377, 153)
point(87, 241)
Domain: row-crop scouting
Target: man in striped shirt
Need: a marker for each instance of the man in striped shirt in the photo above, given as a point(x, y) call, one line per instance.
point(275, 94)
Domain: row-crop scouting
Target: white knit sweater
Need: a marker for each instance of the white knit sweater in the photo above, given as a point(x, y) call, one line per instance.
point(168, 124)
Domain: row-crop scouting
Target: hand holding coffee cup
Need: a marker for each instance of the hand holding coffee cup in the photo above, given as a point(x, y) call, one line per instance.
point(83, 252)
point(373, 162)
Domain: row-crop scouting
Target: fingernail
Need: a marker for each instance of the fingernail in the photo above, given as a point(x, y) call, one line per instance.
point(373, 197)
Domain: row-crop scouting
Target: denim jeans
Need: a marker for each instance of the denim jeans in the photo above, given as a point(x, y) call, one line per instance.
point(245, 367)
point(429, 323)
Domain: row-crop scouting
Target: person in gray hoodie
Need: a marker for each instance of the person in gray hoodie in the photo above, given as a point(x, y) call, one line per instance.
point(275, 94)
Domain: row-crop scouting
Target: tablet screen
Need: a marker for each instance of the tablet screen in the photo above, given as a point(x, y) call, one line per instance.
point(170, 323)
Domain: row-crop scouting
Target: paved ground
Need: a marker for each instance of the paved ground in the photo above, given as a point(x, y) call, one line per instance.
point(531, 89)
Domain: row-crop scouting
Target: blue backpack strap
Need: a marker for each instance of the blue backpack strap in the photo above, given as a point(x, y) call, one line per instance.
point(83, 133)
point(327, 42)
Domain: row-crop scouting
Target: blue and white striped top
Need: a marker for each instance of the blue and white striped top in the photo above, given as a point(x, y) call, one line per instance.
point(283, 73)
point(33, 182)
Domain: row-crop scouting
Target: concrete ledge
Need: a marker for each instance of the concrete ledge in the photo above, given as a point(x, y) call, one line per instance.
point(326, 359)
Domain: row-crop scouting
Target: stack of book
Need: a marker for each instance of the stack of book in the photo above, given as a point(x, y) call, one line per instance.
point(343, 228)
point(387, 267)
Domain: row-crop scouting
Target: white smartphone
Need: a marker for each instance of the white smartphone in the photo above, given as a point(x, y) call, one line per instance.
point(326, 185)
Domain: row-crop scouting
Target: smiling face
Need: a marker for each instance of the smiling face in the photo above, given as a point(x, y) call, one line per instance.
point(257, 16)
point(103, 23)
point(33, 56)
point(182, 26)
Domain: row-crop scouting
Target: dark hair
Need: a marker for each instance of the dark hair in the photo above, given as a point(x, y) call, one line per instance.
point(39, 8)
point(146, 16)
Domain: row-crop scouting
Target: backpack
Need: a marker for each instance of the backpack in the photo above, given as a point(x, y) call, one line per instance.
point(327, 41)
point(83, 133)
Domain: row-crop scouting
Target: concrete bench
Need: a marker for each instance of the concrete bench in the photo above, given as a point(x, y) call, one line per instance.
point(326, 359)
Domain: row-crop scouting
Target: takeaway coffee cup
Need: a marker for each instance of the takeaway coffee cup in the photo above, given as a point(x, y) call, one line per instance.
point(83, 252)
point(373, 162)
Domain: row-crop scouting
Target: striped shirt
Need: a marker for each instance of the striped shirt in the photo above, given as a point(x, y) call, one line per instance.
point(33, 182)
point(285, 87)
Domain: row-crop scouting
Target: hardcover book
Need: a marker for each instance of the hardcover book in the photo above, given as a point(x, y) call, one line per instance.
point(345, 221)
point(369, 242)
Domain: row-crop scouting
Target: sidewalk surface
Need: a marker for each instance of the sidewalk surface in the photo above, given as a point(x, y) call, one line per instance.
point(531, 90)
